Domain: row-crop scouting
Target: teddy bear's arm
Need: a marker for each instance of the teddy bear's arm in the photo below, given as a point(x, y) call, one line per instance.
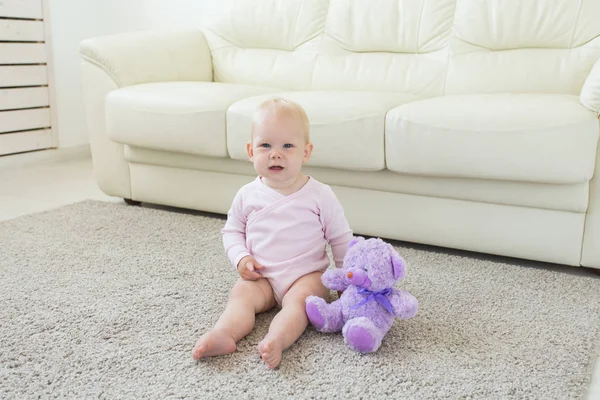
point(334, 279)
point(405, 305)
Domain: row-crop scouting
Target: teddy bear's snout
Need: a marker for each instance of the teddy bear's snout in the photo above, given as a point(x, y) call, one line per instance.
point(358, 277)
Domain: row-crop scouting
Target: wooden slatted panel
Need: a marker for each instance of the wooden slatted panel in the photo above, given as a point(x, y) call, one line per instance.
point(26, 75)
point(11, 143)
point(12, 99)
point(21, 9)
point(22, 120)
point(22, 53)
point(21, 31)
point(25, 118)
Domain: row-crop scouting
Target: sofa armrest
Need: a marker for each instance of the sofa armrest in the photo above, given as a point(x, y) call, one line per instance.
point(151, 56)
point(590, 93)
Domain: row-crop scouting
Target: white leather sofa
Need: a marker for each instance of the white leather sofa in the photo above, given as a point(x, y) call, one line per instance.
point(450, 123)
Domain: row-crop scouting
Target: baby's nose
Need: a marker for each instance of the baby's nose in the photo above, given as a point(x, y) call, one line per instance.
point(275, 154)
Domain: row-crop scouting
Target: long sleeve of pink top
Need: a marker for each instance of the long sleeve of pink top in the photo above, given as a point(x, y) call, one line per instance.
point(234, 232)
point(285, 231)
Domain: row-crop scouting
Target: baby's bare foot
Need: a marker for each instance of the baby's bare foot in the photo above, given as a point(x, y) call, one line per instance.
point(213, 343)
point(270, 350)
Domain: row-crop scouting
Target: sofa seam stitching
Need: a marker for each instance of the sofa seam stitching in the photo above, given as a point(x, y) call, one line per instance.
point(575, 24)
point(296, 26)
point(101, 66)
point(312, 75)
point(419, 26)
point(489, 5)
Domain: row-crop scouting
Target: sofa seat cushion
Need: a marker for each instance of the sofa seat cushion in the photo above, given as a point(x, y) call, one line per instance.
point(525, 137)
point(346, 127)
point(186, 117)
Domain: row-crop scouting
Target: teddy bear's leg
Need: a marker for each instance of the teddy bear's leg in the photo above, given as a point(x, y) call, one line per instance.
point(362, 335)
point(324, 317)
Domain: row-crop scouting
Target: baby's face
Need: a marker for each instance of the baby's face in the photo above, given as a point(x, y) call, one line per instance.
point(279, 149)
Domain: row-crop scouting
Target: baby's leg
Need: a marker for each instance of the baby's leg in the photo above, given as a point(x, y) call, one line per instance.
point(247, 298)
point(291, 321)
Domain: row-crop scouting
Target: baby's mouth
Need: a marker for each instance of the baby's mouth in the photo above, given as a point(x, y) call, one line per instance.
point(276, 168)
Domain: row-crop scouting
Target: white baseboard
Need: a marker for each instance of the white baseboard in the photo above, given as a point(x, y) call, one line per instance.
point(45, 156)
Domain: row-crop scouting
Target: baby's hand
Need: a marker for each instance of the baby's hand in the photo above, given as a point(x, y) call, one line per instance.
point(248, 267)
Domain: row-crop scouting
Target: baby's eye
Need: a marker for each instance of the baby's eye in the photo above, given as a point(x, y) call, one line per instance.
point(265, 145)
point(288, 146)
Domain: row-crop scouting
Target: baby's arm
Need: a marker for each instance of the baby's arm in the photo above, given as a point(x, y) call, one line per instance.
point(234, 232)
point(335, 225)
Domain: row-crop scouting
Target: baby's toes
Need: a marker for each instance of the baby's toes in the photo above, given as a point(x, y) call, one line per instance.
point(270, 352)
point(272, 359)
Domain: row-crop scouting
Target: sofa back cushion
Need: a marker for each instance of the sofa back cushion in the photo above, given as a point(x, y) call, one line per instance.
point(266, 42)
point(427, 48)
point(525, 46)
point(388, 45)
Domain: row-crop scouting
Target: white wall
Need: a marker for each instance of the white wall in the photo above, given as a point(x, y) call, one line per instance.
point(75, 20)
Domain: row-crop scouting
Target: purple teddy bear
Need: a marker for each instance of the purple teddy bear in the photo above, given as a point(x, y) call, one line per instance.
point(369, 305)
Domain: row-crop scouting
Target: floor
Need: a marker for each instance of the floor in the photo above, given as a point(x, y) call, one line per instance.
point(38, 181)
point(34, 182)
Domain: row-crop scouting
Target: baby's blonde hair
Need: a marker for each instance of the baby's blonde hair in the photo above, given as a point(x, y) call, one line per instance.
point(278, 107)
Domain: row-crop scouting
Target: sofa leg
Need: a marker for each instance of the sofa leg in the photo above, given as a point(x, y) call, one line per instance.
point(132, 202)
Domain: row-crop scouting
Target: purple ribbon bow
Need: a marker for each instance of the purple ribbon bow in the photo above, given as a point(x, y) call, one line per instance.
point(380, 297)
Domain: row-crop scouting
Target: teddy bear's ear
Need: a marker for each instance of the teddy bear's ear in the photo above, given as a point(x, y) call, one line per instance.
point(398, 265)
point(355, 240)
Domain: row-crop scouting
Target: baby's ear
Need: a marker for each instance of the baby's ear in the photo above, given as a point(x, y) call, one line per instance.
point(308, 149)
point(398, 265)
point(355, 241)
point(250, 151)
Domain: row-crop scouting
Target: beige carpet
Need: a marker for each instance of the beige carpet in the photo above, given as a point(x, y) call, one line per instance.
point(104, 300)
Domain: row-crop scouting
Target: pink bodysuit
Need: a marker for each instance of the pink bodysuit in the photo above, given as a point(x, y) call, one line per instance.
point(286, 234)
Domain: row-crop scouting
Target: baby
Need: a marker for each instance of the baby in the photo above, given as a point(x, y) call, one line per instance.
point(276, 235)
